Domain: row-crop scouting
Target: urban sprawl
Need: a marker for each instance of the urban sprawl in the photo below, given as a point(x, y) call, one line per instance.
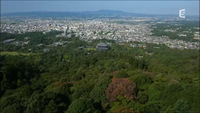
point(90, 29)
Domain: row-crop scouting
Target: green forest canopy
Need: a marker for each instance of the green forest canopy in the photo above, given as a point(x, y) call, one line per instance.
point(68, 80)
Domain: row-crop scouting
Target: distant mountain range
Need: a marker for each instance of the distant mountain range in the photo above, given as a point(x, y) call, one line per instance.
point(85, 14)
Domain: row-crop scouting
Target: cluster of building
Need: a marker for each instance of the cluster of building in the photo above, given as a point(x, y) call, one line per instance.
point(23, 25)
point(137, 31)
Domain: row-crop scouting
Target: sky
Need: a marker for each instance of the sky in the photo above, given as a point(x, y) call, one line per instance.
point(147, 7)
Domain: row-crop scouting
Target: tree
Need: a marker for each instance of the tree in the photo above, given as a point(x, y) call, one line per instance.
point(122, 74)
point(98, 92)
point(142, 97)
point(124, 110)
point(51, 107)
point(81, 105)
point(153, 107)
point(181, 106)
point(120, 86)
point(141, 80)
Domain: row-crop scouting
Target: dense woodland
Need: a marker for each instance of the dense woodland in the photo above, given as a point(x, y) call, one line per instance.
point(66, 79)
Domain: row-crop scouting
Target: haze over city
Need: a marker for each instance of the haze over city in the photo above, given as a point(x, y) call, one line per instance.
point(147, 7)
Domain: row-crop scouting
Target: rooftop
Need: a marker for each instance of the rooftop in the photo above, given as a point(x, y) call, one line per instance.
point(102, 44)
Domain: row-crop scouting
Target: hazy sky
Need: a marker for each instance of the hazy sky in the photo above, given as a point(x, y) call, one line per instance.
point(148, 7)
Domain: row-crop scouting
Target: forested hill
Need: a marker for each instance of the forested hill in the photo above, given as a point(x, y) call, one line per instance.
point(42, 77)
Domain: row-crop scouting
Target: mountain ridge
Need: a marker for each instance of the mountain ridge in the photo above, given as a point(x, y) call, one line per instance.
point(85, 14)
point(97, 13)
